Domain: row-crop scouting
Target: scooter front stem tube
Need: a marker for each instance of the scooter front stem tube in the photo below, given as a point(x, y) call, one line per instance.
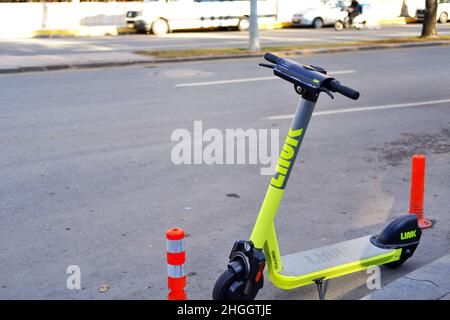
point(260, 233)
point(283, 169)
point(292, 144)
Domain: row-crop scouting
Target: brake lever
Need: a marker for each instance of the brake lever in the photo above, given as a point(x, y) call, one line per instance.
point(328, 92)
point(266, 65)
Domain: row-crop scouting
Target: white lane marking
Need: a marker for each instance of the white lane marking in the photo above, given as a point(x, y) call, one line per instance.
point(209, 83)
point(195, 84)
point(362, 109)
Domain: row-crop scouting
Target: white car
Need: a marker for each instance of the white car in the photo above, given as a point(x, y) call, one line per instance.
point(443, 12)
point(325, 14)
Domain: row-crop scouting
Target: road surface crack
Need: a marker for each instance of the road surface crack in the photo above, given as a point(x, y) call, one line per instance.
point(426, 280)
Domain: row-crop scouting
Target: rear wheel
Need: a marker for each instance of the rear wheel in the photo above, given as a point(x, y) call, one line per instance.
point(443, 17)
point(243, 24)
point(317, 23)
point(159, 27)
point(407, 253)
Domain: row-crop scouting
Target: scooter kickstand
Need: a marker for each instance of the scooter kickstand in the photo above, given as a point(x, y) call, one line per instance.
point(322, 286)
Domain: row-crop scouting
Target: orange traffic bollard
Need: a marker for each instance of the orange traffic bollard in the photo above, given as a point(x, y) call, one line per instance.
point(176, 257)
point(417, 190)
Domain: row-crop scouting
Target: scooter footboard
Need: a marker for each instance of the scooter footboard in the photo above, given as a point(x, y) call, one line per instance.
point(303, 268)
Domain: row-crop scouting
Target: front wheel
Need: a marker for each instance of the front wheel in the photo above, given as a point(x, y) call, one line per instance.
point(233, 284)
point(339, 26)
point(317, 23)
point(223, 284)
point(228, 287)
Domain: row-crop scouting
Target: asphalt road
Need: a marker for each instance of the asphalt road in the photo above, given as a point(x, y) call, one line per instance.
point(202, 39)
point(87, 177)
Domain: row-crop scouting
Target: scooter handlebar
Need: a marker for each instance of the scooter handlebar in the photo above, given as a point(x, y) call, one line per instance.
point(336, 86)
point(271, 57)
point(333, 85)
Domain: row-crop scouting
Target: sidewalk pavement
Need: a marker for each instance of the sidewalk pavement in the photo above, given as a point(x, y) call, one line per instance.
point(35, 63)
point(430, 282)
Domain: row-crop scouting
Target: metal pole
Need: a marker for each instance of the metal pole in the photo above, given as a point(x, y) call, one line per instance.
point(44, 15)
point(254, 44)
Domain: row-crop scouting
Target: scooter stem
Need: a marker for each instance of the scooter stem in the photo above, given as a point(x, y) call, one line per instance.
point(293, 142)
point(264, 223)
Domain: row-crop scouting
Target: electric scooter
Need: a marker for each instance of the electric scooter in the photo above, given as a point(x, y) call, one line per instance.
point(244, 277)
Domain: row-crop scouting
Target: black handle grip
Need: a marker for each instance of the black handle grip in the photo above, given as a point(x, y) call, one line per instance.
point(271, 57)
point(336, 86)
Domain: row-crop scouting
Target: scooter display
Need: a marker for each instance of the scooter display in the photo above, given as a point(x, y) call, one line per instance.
point(243, 277)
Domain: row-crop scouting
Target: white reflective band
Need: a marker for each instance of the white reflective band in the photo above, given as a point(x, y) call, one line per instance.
point(175, 271)
point(175, 246)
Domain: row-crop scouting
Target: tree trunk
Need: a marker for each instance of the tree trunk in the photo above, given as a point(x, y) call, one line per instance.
point(429, 29)
point(254, 32)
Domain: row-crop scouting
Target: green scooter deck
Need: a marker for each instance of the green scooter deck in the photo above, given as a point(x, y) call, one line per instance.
point(326, 257)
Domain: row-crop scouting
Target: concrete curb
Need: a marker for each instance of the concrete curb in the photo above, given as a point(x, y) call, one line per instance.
point(87, 65)
point(94, 31)
point(398, 20)
point(308, 51)
point(429, 282)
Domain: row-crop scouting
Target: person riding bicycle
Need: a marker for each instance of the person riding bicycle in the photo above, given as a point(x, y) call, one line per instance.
point(353, 10)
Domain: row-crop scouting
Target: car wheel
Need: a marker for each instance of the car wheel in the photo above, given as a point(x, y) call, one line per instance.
point(338, 26)
point(317, 23)
point(160, 27)
point(244, 24)
point(443, 17)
